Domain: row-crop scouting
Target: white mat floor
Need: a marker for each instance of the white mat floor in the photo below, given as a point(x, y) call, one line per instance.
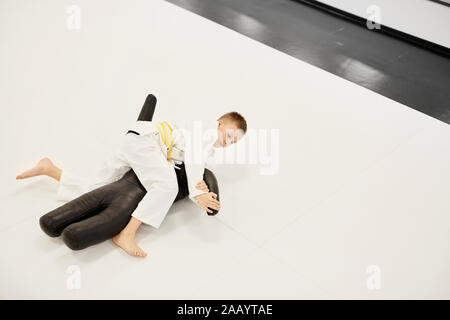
point(362, 181)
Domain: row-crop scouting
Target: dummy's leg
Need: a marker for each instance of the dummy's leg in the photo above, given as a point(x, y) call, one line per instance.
point(104, 225)
point(87, 205)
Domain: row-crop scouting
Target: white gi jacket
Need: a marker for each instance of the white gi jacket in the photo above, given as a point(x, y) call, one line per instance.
point(195, 165)
point(146, 154)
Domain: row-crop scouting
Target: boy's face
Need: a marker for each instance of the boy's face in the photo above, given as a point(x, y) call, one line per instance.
point(228, 133)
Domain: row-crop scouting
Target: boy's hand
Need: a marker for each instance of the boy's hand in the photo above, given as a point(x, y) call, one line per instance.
point(201, 185)
point(208, 200)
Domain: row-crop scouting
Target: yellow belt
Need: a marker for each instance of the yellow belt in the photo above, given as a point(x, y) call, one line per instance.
point(165, 130)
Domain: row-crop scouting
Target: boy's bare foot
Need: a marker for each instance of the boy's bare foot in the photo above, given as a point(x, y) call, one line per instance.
point(127, 243)
point(43, 167)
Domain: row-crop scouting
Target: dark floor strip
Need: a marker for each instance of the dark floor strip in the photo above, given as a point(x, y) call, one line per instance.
point(399, 70)
point(431, 46)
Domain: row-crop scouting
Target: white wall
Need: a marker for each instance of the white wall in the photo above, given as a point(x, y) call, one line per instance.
point(421, 18)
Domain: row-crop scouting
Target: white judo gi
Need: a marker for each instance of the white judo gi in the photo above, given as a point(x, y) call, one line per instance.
point(146, 154)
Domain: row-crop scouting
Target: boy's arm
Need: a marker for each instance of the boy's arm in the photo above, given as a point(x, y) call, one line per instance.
point(195, 169)
point(194, 174)
point(203, 199)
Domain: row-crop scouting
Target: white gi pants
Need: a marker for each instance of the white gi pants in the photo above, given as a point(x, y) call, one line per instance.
point(143, 154)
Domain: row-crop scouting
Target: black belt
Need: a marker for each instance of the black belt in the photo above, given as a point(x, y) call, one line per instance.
point(132, 131)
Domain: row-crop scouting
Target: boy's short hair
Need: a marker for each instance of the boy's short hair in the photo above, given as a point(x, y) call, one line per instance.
point(237, 118)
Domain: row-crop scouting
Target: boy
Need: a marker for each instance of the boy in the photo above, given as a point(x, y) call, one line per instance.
point(153, 150)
